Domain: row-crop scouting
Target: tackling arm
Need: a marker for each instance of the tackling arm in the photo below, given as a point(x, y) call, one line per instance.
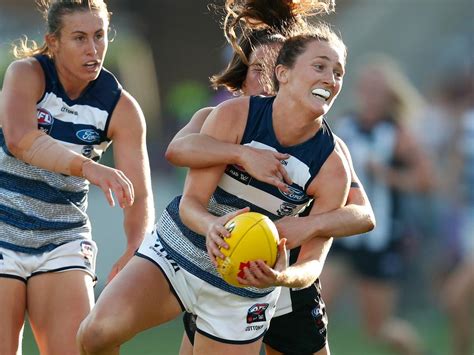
point(355, 217)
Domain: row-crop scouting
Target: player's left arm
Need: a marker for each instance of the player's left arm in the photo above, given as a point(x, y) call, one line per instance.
point(330, 189)
point(356, 217)
point(128, 131)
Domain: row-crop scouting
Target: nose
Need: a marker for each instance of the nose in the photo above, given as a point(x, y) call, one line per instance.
point(91, 47)
point(330, 78)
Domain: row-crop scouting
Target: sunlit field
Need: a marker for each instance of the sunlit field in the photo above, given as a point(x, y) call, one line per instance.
point(345, 338)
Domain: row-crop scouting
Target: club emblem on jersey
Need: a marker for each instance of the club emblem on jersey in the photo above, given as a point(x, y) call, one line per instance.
point(44, 117)
point(256, 313)
point(87, 151)
point(88, 135)
point(286, 209)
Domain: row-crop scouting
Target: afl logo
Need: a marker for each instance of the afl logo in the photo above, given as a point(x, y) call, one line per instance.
point(294, 194)
point(88, 135)
point(44, 117)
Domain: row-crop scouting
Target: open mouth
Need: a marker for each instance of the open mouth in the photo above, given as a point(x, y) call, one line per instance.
point(324, 94)
point(92, 65)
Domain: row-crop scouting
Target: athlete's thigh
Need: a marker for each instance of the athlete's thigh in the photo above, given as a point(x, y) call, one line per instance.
point(206, 346)
point(377, 299)
point(57, 303)
point(12, 313)
point(138, 298)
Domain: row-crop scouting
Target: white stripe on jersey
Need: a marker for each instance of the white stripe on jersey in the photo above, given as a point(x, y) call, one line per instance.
point(83, 114)
point(296, 169)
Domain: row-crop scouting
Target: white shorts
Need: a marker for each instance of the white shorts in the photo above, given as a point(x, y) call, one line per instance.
point(76, 255)
point(221, 315)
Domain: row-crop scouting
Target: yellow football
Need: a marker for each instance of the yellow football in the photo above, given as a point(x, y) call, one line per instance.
point(253, 236)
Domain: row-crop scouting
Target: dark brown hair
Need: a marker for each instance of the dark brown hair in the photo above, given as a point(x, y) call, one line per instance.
point(260, 22)
point(53, 12)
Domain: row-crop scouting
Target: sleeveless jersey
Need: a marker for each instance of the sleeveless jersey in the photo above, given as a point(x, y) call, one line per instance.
point(377, 145)
point(237, 189)
point(39, 209)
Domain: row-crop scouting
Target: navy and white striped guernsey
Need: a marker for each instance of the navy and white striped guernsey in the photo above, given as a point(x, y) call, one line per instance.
point(39, 209)
point(237, 189)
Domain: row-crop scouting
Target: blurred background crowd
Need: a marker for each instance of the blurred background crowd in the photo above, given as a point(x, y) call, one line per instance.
point(410, 61)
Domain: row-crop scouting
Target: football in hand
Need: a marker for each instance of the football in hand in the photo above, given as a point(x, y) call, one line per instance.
point(253, 236)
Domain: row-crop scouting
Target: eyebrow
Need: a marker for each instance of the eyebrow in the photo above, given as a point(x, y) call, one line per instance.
point(329, 59)
point(85, 33)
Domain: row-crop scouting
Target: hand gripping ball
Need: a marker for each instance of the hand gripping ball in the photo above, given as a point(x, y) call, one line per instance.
point(253, 236)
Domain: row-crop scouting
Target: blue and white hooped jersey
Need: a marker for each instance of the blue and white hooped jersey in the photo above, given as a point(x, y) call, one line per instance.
point(39, 209)
point(376, 145)
point(237, 189)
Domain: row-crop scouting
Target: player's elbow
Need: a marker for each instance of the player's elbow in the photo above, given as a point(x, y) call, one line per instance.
point(172, 153)
point(370, 222)
point(12, 142)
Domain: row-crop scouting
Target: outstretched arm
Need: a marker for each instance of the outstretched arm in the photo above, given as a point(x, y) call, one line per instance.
point(191, 149)
point(355, 217)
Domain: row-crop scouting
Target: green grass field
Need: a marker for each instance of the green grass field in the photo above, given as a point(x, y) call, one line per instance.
point(346, 338)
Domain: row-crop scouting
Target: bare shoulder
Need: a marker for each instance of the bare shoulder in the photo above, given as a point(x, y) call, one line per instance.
point(24, 66)
point(231, 111)
point(128, 104)
point(25, 73)
point(127, 113)
point(228, 119)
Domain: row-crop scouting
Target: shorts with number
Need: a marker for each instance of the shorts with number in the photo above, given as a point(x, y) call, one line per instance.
point(76, 255)
point(221, 315)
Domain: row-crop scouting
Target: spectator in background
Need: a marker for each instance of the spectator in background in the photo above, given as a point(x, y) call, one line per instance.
point(59, 111)
point(451, 111)
point(389, 162)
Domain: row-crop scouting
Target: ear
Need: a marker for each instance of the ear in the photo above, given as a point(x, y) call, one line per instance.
point(281, 73)
point(52, 41)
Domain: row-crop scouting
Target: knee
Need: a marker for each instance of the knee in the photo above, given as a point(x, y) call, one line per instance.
point(94, 336)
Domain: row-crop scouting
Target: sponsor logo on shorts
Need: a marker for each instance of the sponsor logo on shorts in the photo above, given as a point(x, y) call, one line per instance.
point(160, 251)
point(320, 319)
point(251, 328)
point(256, 313)
point(87, 251)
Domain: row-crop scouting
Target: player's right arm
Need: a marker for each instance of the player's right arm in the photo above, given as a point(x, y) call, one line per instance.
point(23, 86)
point(193, 150)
